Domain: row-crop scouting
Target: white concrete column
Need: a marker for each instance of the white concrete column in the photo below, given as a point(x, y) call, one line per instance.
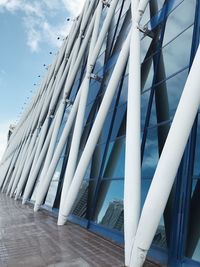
point(25, 172)
point(18, 166)
point(132, 180)
point(35, 169)
point(168, 165)
point(95, 133)
point(7, 178)
point(78, 128)
point(70, 79)
point(46, 179)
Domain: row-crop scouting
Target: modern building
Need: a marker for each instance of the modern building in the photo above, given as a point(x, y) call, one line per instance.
point(92, 146)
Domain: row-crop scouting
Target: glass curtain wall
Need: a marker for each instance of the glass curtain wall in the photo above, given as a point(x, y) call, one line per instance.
point(165, 61)
point(165, 65)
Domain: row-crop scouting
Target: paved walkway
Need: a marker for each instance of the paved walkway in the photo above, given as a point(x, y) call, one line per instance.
point(29, 239)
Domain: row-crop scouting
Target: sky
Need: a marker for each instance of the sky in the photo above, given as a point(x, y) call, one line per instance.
point(31, 33)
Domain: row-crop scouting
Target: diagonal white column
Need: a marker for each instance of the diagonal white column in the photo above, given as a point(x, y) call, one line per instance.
point(95, 132)
point(168, 165)
point(70, 79)
point(40, 156)
point(58, 151)
point(21, 167)
point(48, 87)
point(4, 169)
point(132, 182)
point(25, 172)
point(18, 166)
point(86, 14)
point(36, 168)
point(95, 47)
point(11, 169)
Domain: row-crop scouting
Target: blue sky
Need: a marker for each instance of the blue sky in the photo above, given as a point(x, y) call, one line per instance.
point(29, 32)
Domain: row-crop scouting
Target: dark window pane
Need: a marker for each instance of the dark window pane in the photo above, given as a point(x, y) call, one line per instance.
point(115, 156)
point(193, 240)
point(151, 155)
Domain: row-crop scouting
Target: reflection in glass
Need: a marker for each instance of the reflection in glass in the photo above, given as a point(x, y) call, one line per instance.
point(179, 20)
point(84, 201)
point(109, 208)
point(106, 127)
point(119, 125)
point(51, 195)
point(96, 163)
point(175, 87)
point(151, 155)
point(80, 205)
point(114, 163)
point(176, 55)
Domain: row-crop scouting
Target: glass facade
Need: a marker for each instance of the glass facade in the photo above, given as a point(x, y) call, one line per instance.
point(168, 45)
point(165, 61)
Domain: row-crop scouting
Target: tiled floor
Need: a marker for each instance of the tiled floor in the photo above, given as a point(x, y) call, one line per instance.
point(29, 239)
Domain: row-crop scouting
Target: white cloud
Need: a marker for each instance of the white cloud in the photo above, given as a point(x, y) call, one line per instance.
point(36, 16)
point(33, 8)
point(10, 5)
point(33, 32)
point(74, 7)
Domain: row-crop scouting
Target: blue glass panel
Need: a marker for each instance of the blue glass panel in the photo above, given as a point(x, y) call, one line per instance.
point(149, 79)
point(106, 128)
point(99, 64)
point(124, 91)
point(151, 156)
point(175, 87)
point(84, 198)
point(153, 118)
point(109, 208)
point(115, 156)
point(158, 3)
point(144, 105)
point(179, 20)
point(165, 11)
point(88, 113)
point(51, 195)
point(96, 163)
point(193, 239)
point(117, 130)
point(93, 91)
point(80, 205)
point(176, 54)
